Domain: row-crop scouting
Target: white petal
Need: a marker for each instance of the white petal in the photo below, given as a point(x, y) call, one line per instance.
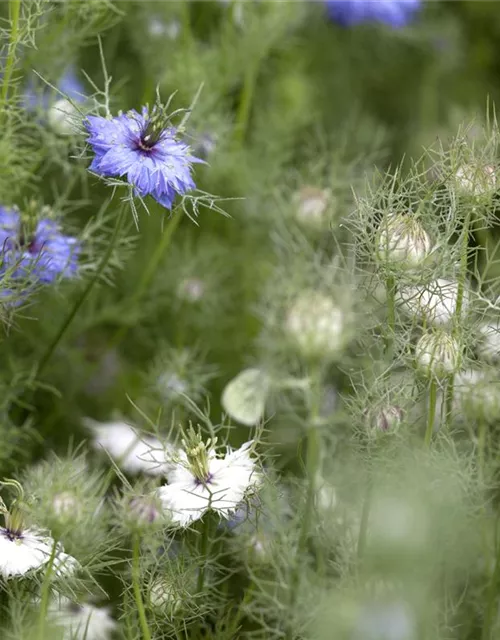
point(185, 502)
point(134, 452)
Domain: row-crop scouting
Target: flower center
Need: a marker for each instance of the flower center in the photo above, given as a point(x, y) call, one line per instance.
point(153, 129)
point(198, 455)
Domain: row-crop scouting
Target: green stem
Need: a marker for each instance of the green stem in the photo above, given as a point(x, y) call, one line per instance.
point(79, 302)
point(491, 599)
point(204, 547)
point(433, 389)
point(14, 12)
point(481, 445)
point(246, 98)
point(44, 598)
point(365, 516)
point(313, 459)
point(450, 387)
point(136, 585)
point(147, 275)
point(464, 258)
point(390, 285)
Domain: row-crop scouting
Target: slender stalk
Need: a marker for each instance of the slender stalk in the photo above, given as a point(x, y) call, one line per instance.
point(204, 547)
point(313, 458)
point(136, 585)
point(390, 285)
point(365, 516)
point(450, 387)
point(433, 389)
point(464, 257)
point(246, 98)
point(148, 274)
point(481, 445)
point(45, 593)
point(491, 596)
point(14, 12)
point(79, 302)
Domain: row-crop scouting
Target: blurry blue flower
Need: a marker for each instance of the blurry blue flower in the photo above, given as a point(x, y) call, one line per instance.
point(394, 13)
point(36, 97)
point(142, 146)
point(46, 255)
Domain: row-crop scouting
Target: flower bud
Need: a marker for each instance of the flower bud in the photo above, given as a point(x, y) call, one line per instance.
point(476, 180)
point(164, 596)
point(144, 510)
point(437, 355)
point(315, 325)
point(402, 241)
point(477, 396)
point(434, 303)
point(63, 117)
point(488, 347)
point(311, 206)
point(191, 290)
point(244, 397)
point(384, 420)
point(67, 506)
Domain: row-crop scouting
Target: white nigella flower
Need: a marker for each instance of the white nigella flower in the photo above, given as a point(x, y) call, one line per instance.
point(434, 303)
point(488, 347)
point(157, 28)
point(23, 550)
point(402, 241)
point(81, 621)
point(315, 324)
point(311, 205)
point(132, 451)
point(201, 481)
point(437, 354)
point(244, 397)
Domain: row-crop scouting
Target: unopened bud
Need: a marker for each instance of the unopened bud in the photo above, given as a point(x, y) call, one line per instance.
point(316, 325)
point(488, 348)
point(144, 510)
point(311, 206)
point(165, 597)
point(191, 290)
point(435, 303)
point(437, 354)
point(63, 117)
point(402, 241)
point(66, 506)
point(476, 180)
point(385, 420)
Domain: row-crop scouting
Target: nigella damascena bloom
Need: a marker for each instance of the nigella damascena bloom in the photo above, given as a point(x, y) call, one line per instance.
point(81, 621)
point(394, 13)
point(144, 148)
point(200, 481)
point(45, 255)
point(27, 549)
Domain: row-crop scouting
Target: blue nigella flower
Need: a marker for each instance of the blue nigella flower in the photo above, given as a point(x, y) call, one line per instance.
point(394, 13)
point(35, 98)
point(45, 256)
point(144, 147)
